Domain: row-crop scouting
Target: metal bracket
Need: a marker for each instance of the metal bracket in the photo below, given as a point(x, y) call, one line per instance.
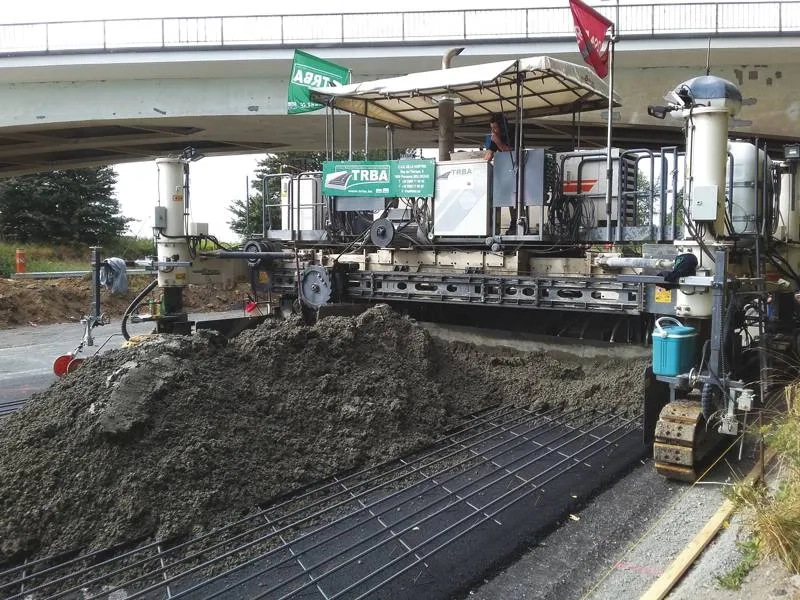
point(744, 399)
point(729, 425)
point(168, 264)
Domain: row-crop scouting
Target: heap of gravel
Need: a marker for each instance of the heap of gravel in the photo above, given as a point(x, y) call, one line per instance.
point(181, 434)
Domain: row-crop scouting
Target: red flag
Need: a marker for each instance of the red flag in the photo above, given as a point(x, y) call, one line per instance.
point(591, 28)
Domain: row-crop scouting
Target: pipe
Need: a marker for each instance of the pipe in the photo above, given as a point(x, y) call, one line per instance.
point(635, 262)
point(447, 113)
point(234, 254)
point(449, 55)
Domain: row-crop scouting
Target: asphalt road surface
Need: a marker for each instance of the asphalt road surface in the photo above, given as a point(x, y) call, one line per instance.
point(27, 353)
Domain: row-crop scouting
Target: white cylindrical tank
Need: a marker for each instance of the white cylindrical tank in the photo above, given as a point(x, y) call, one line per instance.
point(171, 242)
point(748, 187)
point(788, 227)
point(693, 301)
point(171, 193)
point(706, 163)
point(706, 103)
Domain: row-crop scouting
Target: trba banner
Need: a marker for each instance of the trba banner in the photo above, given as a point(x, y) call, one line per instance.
point(309, 71)
point(389, 178)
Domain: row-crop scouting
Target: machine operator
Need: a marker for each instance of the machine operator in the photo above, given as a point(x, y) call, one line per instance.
point(501, 139)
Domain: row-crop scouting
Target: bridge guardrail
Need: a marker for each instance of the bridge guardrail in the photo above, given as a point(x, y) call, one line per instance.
point(346, 29)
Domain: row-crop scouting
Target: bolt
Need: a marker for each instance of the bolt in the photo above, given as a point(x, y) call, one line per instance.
point(381, 231)
point(315, 288)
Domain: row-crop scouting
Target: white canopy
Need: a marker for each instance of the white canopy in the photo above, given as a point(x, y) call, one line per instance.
point(549, 87)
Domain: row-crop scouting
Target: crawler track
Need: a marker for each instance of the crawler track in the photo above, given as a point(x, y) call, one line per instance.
point(684, 443)
point(425, 526)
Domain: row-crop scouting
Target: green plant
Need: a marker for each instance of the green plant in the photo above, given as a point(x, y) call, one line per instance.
point(775, 515)
point(7, 265)
point(732, 580)
point(128, 247)
point(67, 206)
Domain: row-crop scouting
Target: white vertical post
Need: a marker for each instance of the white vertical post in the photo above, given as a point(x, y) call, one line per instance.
point(609, 168)
point(350, 124)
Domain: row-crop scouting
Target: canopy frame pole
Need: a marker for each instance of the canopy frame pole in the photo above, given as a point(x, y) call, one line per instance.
point(327, 127)
point(349, 123)
point(520, 229)
point(333, 133)
point(609, 167)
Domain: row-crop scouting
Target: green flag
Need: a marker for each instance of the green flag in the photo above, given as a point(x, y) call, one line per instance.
point(309, 71)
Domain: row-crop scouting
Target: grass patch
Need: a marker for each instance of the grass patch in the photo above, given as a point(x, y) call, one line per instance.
point(774, 515)
point(733, 579)
point(47, 266)
point(66, 257)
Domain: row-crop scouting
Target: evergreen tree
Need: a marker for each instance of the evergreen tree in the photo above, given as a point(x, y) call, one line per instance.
point(267, 183)
point(68, 206)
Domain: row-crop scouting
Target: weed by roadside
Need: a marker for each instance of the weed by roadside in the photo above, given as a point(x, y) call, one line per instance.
point(774, 514)
point(733, 579)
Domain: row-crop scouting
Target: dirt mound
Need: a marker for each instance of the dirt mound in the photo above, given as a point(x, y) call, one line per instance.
point(40, 302)
point(181, 434)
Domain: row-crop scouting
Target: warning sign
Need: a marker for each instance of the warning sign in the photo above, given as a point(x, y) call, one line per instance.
point(663, 296)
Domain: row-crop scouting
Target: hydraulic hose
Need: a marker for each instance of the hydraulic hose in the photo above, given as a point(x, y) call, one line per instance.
point(132, 306)
point(728, 325)
point(707, 400)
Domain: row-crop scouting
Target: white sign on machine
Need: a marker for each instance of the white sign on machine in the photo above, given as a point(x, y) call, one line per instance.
point(461, 200)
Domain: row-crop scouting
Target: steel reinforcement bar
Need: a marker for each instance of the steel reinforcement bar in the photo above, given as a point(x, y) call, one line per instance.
point(396, 528)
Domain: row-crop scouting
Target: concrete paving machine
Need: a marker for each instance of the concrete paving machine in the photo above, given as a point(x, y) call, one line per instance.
point(692, 250)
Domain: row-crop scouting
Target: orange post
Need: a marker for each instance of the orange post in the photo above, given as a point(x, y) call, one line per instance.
point(20, 260)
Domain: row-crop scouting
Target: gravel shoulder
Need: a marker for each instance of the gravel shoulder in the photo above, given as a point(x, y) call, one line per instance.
point(768, 580)
point(628, 535)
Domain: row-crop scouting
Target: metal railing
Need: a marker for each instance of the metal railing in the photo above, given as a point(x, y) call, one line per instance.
point(353, 29)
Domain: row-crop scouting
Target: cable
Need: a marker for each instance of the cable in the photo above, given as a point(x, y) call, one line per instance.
point(352, 244)
point(132, 306)
point(776, 258)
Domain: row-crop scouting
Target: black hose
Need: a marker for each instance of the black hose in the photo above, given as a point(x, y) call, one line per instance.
point(728, 326)
point(132, 306)
point(707, 400)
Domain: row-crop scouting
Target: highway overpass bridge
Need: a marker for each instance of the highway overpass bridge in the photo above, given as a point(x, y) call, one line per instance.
point(85, 93)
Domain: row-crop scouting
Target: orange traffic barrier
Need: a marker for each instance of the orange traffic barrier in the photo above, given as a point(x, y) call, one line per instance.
point(20, 260)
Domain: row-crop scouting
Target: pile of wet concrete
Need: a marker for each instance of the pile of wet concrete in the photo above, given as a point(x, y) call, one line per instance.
point(178, 435)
